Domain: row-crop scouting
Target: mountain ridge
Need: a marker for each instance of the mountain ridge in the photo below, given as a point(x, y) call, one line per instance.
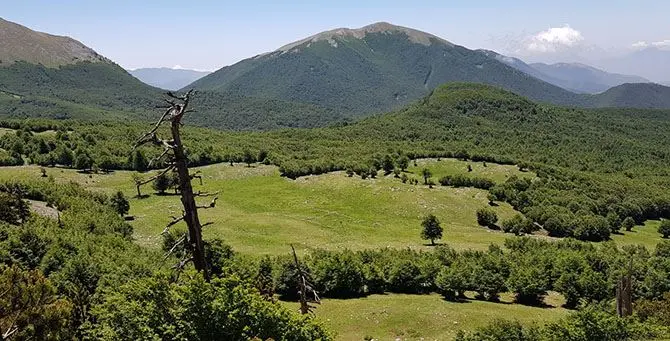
point(19, 43)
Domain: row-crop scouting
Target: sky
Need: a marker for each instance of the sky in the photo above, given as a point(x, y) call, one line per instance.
point(207, 35)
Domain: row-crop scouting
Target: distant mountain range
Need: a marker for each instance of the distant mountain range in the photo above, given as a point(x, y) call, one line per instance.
point(167, 78)
point(575, 77)
point(332, 77)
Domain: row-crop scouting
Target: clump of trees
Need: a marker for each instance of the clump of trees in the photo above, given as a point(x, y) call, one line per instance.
point(487, 217)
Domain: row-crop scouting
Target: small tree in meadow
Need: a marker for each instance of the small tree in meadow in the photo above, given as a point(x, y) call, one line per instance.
point(403, 163)
point(120, 203)
point(426, 174)
point(431, 229)
point(664, 228)
point(161, 183)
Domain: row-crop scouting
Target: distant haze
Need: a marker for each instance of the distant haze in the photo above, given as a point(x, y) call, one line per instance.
point(168, 78)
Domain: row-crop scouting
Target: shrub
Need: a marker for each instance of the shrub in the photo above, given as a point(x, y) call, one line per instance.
point(664, 228)
point(487, 217)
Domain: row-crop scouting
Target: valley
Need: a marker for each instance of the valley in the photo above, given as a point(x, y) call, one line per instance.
point(375, 183)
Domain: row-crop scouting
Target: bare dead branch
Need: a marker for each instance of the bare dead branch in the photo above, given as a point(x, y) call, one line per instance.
point(205, 194)
point(182, 263)
point(174, 221)
point(207, 224)
point(211, 204)
point(180, 241)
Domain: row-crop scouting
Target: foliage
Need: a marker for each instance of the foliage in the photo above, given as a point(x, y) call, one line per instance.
point(120, 204)
point(13, 209)
point(487, 217)
point(431, 229)
point(664, 228)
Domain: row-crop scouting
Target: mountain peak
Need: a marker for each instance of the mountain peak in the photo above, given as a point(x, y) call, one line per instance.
point(19, 43)
point(413, 35)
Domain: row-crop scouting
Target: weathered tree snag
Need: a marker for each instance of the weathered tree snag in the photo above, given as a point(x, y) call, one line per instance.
point(178, 162)
point(304, 287)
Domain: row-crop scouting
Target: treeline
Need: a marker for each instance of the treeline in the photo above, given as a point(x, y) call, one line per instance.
point(526, 267)
point(79, 276)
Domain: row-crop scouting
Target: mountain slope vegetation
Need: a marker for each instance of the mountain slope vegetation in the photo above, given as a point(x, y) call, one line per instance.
point(372, 69)
point(583, 78)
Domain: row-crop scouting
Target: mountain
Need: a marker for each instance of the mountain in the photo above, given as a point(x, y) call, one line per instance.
point(166, 78)
point(371, 69)
point(652, 63)
point(44, 75)
point(640, 95)
point(583, 78)
point(574, 77)
point(20, 43)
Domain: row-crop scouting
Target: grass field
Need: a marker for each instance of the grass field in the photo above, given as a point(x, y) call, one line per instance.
point(4, 131)
point(259, 212)
point(423, 317)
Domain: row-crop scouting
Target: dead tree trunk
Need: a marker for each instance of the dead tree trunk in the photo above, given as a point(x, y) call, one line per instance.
point(304, 287)
point(178, 162)
point(624, 293)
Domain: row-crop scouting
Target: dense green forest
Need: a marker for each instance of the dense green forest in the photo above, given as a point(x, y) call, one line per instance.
point(595, 167)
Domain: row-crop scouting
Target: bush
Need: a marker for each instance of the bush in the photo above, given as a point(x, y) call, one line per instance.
point(664, 228)
point(518, 225)
point(487, 217)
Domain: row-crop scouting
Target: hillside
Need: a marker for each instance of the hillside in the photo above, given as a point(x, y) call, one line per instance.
point(583, 78)
point(19, 43)
point(372, 69)
point(167, 78)
point(642, 95)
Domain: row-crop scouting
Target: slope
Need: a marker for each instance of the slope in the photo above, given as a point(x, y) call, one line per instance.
point(583, 78)
point(371, 69)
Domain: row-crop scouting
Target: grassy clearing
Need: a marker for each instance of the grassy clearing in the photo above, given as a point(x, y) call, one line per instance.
point(4, 131)
point(259, 212)
point(423, 317)
point(497, 173)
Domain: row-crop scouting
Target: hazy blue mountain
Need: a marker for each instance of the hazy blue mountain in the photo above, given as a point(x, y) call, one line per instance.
point(583, 78)
point(167, 78)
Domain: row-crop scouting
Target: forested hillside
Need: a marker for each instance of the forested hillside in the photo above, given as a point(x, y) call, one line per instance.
point(592, 163)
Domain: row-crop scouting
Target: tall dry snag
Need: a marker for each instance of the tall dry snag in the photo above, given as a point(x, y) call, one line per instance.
point(175, 159)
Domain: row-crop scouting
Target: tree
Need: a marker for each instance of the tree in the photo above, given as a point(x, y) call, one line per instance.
point(178, 162)
point(614, 221)
point(403, 163)
point(13, 209)
point(664, 228)
point(161, 183)
point(64, 156)
point(83, 161)
point(431, 229)
point(628, 223)
point(29, 308)
point(426, 174)
point(120, 203)
point(248, 158)
point(139, 161)
point(138, 180)
point(387, 164)
point(487, 217)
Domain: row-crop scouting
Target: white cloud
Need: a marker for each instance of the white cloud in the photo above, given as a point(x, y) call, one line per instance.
point(554, 39)
point(177, 67)
point(640, 45)
point(663, 43)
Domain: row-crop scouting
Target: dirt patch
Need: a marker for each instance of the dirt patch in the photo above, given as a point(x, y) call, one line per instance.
point(41, 208)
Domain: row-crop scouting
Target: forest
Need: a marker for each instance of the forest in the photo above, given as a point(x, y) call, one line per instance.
point(593, 174)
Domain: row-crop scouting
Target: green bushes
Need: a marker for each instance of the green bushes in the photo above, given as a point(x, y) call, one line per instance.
point(487, 217)
point(664, 228)
point(591, 323)
point(459, 180)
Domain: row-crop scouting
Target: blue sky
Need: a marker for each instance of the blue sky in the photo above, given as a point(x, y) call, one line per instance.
point(212, 34)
